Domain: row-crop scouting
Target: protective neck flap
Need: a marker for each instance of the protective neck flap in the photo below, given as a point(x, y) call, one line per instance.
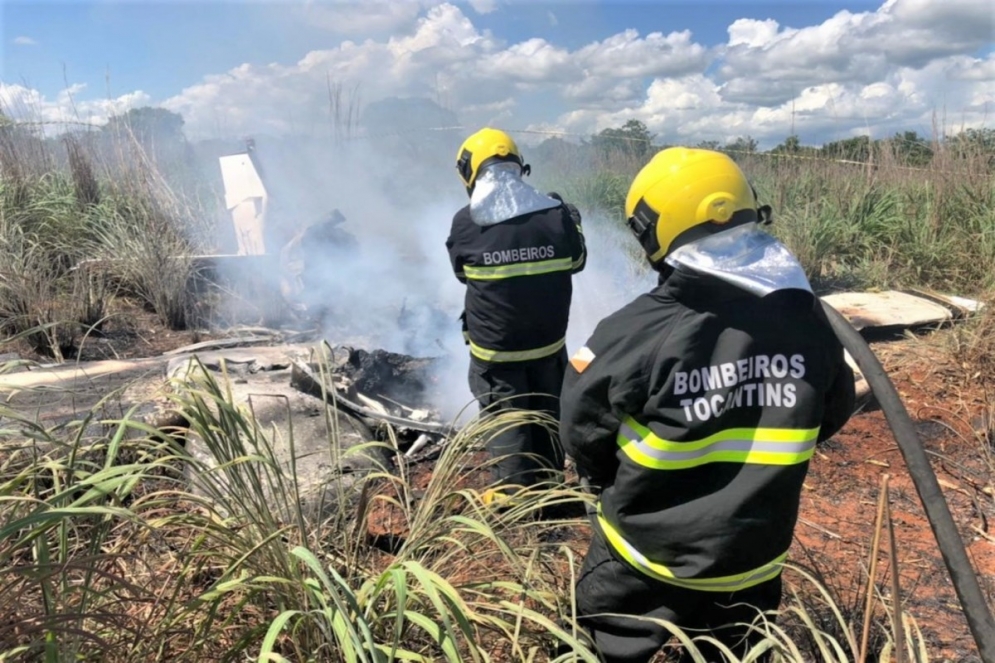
point(746, 257)
point(499, 194)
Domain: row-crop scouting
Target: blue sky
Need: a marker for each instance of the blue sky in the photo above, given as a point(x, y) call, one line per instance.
point(162, 47)
point(115, 54)
point(156, 46)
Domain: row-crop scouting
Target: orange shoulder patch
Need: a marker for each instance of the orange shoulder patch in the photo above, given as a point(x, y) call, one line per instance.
point(582, 359)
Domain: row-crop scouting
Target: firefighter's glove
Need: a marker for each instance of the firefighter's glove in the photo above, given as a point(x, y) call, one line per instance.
point(502, 498)
point(593, 484)
point(574, 213)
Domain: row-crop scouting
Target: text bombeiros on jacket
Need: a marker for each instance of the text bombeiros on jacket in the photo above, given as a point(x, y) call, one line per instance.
point(523, 254)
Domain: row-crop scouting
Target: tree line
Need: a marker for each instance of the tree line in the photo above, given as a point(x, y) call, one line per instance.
point(160, 133)
point(634, 139)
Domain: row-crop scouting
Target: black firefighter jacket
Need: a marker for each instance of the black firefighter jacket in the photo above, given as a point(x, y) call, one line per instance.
point(518, 278)
point(696, 408)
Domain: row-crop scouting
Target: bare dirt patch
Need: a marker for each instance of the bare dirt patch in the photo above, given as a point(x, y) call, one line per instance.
point(839, 505)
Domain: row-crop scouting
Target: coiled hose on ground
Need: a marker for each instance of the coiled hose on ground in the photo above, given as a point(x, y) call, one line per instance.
point(965, 580)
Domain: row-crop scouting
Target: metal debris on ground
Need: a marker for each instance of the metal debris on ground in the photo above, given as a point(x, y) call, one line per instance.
point(301, 406)
point(896, 310)
point(383, 389)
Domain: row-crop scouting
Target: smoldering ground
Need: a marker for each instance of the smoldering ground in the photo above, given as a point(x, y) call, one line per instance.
point(394, 287)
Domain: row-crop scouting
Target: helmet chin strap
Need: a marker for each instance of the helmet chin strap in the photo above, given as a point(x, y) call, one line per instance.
point(643, 227)
point(765, 215)
point(642, 223)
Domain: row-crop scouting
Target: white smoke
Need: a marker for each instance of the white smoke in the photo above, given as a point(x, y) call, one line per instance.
point(396, 290)
point(613, 277)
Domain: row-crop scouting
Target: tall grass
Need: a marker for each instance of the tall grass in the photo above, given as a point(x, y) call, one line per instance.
point(880, 225)
point(887, 226)
point(65, 204)
point(106, 553)
point(32, 294)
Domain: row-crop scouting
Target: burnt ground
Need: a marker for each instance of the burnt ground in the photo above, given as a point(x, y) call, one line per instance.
point(953, 407)
point(129, 331)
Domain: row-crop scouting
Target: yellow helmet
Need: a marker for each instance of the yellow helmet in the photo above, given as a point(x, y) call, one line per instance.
point(482, 148)
point(684, 194)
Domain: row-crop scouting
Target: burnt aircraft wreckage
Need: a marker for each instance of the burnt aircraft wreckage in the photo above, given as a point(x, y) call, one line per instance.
point(318, 416)
point(314, 407)
point(277, 256)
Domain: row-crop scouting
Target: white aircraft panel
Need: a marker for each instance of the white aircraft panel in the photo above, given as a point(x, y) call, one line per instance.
point(241, 180)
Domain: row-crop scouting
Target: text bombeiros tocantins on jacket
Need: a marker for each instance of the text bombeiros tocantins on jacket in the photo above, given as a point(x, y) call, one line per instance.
point(777, 389)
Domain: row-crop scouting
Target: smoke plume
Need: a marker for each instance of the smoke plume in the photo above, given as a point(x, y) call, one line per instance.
point(395, 289)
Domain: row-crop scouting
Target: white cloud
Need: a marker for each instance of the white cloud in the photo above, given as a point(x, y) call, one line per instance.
point(604, 92)
point(24, 41)
point(752, 33)
point(67, 95)
point(28, 105)
point(878, 71)
point(765, 61)
point(964, 23)
point(443, 56)
point(627, 55)
point(428, 60)
point(535, 60)
point(553, 21)
point(971, 69)
point(695, 108)
point(355, 17)
point(483, 6)
point(615, 68)
point(13, 98)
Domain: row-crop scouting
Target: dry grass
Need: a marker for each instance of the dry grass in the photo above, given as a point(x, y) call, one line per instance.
point(972, 344)
point(84, 219)
point(885, 224)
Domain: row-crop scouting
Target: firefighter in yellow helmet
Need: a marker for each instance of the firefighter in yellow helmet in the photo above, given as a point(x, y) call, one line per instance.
point(516, 250)
point(693, 411)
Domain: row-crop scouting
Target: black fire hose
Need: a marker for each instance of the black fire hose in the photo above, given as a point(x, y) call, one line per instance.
point(965, 580)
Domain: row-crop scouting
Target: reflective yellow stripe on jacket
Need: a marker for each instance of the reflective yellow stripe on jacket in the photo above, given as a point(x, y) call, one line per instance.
point(732, 583)
point(520, 269)
point(756, 446)
point(516, 355)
